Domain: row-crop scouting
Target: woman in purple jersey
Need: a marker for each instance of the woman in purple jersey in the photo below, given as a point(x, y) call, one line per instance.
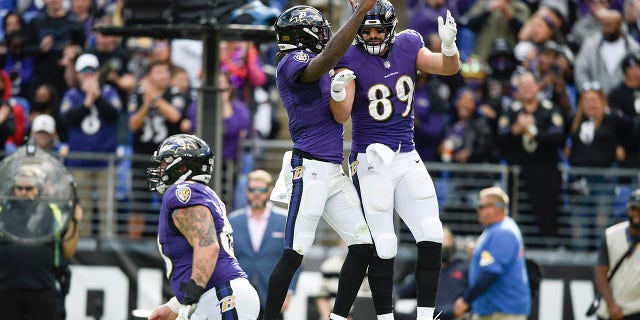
point(317, 185)
point(384, 164)
point(195, 238)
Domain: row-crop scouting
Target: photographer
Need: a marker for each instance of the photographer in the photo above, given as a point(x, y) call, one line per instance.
point(29, 268)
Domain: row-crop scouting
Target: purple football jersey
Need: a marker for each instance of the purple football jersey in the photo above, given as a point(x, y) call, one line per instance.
point(382, 109)
point(176, 250)
point(311, 124)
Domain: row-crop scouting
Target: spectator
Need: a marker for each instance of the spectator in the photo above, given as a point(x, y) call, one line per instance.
point(530, 134)
point(496, 19)
point(620, 292)
point(195, 238)
point(258, 236)
point(594, 144)
point(468, 139)
point(53, 41)
point(453, 278)
point(155, 112)
point(81, 11)
point(18, 65)
point(29, 286)
point(90, 112)
point(589, 23)
point(330, 269)
point(45, 101)
point(498, 282)
point(551, 67)
point(424, 16)
point(16, 119)
point(624, 98)
point(7, 124)
point(600, 55)
point(44, 135)
point(240, 60)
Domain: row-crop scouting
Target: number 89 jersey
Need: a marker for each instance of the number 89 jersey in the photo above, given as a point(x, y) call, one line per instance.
point(382, 109)
point(176, 250)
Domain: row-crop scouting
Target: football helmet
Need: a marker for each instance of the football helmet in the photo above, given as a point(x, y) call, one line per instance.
point(302, 27)
point(181, 157)
point(381, 15)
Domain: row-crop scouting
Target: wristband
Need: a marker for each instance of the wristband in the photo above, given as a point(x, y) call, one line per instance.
point(339, 95)
point(450, 51)
point(173, 304)
point(192, 292)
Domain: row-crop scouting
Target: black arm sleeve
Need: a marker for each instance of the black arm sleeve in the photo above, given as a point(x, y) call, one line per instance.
point(485, 279)
point(74, 116)
point(106, 110)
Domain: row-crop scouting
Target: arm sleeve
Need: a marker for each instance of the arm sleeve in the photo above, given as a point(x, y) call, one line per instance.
point(484, 281)
point(106, 109)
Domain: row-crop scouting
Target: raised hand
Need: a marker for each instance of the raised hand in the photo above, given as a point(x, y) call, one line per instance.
point(447, 31)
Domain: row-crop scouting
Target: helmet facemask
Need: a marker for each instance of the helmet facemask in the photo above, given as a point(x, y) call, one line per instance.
point(382, 15)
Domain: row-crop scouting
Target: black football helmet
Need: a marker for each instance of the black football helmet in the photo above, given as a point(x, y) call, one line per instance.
point(302, 27)
point(181, 157)
point(381, 15)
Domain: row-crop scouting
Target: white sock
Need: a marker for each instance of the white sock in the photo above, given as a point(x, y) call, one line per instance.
point(388, 316)
point(425, 313)
point(334, 316)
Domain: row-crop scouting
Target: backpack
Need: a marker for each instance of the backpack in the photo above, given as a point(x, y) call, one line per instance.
point(534, 272)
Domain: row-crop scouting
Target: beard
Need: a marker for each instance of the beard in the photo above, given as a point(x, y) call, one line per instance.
point(257, 205)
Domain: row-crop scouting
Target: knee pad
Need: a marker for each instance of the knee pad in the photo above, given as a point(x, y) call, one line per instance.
point(386, 245)
point(431, 230)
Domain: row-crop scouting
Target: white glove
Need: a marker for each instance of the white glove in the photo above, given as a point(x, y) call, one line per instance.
point(186, 310)
point(339, 82)
point(447, 32)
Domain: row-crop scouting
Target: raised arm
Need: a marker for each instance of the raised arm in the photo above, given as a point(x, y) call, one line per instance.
point(337, 45)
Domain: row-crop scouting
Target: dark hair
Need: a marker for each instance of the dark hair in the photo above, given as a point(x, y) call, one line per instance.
point(12, 13)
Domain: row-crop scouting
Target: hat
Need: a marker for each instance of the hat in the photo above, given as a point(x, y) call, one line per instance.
point(87, 60)
point(634, 200)
point(630, 60)
point(29, 174)
point(44, 122)
point(551, 46)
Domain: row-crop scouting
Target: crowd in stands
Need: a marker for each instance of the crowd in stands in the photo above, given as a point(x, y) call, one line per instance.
point(542, 83)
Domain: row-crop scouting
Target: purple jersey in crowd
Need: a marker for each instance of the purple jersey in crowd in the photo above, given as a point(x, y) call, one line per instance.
point(311, 124)
point(176, 250)
point(382, 108)
point(93, 134)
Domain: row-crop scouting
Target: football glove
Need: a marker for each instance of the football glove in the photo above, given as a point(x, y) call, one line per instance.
point(339, 82)
point(192, 293)
point(447, 32)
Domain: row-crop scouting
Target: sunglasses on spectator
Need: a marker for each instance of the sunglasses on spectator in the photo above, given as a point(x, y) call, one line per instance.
point(25, 188)
point(259, 190)
point(88, 70)
point(592, 85)
point(487, 205)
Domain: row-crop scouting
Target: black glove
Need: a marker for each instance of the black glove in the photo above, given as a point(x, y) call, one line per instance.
point(192, 292)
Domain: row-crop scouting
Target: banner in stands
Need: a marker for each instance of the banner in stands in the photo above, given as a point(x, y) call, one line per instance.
point(111, 284)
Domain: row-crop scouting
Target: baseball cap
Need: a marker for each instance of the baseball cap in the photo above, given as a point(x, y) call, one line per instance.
point(634, 200)
point(44, 122)
point(630, 60)
point(86, 60)
point(29, 174)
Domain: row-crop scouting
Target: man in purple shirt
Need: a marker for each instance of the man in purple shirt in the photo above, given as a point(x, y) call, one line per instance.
point(384, 164)
point(195, 237)
point(317, 185)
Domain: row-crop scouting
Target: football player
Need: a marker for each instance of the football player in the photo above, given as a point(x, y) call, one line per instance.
point(195, 237)
point(384, 164)
point(312, 171)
